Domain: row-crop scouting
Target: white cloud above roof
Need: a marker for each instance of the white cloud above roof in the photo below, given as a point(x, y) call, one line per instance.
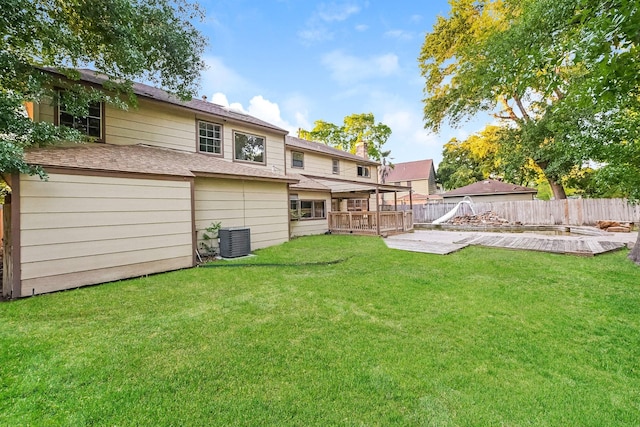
point(347, 69)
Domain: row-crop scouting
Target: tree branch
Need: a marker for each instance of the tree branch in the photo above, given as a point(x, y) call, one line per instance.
point(508, 110)
point(521, 107)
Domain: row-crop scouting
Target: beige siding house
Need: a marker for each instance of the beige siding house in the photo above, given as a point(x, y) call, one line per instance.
point(339, 186)
point(138, 199)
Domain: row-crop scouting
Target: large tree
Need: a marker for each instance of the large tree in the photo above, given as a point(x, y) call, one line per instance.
point(564, 75)
point(124, 40)
point(470, 160)
point(356, 128)
point(491, 56)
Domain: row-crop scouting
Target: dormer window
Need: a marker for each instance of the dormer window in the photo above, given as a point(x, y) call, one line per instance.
point(297, 159)
point(364, 171)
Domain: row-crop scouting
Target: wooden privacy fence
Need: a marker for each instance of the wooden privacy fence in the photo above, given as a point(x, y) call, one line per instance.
point(540, 212)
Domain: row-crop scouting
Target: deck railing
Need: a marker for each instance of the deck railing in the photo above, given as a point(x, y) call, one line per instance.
point(366, 222)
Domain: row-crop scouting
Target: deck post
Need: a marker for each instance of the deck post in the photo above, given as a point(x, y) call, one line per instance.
point(377, 211)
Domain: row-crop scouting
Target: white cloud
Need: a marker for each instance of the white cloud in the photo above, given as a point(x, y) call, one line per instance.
point(218, 76)
point(269, 111)
point(336, 12)
point(416, 18)
point(220, 99)
point(348, 69)
point(362, 27)
point(407, 126)
point(317, 27)
point(313, 35)
point(399, 34)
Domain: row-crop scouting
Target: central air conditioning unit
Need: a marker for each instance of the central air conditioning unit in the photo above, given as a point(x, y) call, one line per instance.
point(234, 242)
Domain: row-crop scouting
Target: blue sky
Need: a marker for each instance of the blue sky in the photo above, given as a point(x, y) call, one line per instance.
point(292, 62)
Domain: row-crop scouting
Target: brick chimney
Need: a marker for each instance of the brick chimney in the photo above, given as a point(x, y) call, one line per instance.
point(362, 149)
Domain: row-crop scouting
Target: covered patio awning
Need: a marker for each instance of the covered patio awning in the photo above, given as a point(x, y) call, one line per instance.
point(346, 189)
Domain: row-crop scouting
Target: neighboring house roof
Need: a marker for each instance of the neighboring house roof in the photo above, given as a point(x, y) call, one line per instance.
point(488, 187)
point(410, 171)
point(145, 159)
point(318, 147)
point(194, 104)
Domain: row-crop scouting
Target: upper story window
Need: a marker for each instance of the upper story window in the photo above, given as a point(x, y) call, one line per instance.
point(364, 171)
point(90, 125)
point(335, 166)
point(297, 159)
point(249, 148)
point(209, 137)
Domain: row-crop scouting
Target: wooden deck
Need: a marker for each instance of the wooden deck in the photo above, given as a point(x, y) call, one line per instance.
point(444, 242)
point(371, 222)
point(556, 246)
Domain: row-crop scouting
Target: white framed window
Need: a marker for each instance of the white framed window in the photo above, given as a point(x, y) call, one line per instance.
point(307, 209)
point(297, 159)
point(209, 137)
point(249, 148)
point(335, 166)
point(90, 125)
point(364, 171)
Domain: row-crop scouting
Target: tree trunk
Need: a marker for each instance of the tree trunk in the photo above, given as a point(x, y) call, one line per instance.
point(558, 190)
point(634, 255)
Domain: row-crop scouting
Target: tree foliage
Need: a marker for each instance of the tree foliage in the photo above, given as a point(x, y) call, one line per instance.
point(563, 76)
point(124, 40)
point(494, 56)
point(474, 159)
point(356, 128)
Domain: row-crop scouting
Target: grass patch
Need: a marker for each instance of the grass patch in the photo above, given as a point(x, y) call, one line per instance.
point(479, 337)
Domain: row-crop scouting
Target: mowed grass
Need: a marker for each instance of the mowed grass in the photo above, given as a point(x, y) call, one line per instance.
point(480, 337)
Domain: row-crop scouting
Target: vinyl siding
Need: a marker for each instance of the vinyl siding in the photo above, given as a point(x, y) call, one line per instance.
point(81, 230)
point(260, 206)
point(321, 165)
point(162, 125)
point(307, 227)
point(153, 124)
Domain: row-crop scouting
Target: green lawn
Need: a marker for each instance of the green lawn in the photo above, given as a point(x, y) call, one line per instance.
point(480, 337)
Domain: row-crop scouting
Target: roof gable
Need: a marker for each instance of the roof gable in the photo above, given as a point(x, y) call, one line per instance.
point(410, 171)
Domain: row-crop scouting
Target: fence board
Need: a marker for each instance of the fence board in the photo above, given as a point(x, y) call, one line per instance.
point(574, 212)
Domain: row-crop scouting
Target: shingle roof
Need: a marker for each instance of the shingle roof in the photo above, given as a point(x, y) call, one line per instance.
point(488, 186)
point(145, 160)
point(306, 183)
point(156, 94)
point(409, 171)
point(319, 147)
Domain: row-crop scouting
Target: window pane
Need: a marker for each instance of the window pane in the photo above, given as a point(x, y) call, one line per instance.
point(91, 125)
point(306, 208)
point(209, 141)
point(297, 159)
point(318, 209)
point(249, 148)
